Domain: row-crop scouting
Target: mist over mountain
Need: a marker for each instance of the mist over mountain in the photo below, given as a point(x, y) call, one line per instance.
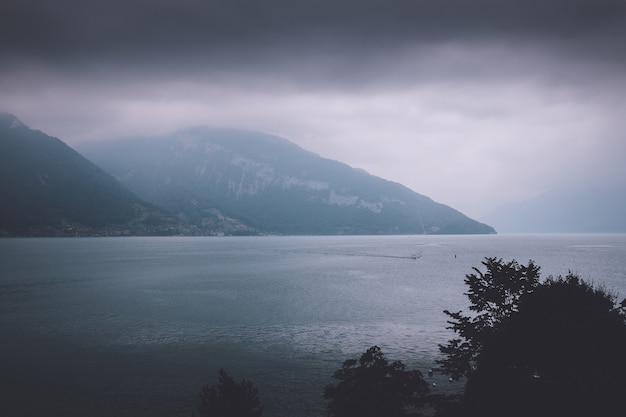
point(583, 209)
point(270, 185)
point(47, 188)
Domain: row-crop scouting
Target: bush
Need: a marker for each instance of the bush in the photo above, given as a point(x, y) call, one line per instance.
point(229, 399)
point(373, 387)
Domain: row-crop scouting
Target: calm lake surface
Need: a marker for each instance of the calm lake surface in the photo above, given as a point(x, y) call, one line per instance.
point(135, 326)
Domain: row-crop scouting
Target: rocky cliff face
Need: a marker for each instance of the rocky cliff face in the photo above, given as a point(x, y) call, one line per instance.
point(269, 184)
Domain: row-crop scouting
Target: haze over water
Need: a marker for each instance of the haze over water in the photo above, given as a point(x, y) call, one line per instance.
point(135, 326)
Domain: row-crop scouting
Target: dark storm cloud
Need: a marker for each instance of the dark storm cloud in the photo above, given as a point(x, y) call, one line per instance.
point(235, 32)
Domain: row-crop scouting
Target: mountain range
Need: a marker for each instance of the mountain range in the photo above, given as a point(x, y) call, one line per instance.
point(205, 181)
point(270, 185)
point(600, 208)
point(200, 181)
point(49, 189)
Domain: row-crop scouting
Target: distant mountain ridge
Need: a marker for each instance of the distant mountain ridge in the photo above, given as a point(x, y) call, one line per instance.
point(48, 189)
point(270, 185)
point(581, 209)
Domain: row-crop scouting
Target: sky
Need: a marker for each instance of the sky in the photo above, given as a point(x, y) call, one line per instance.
point(474, 103)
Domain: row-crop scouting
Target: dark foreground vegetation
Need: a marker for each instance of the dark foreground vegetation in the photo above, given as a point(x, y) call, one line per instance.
point(526, 348)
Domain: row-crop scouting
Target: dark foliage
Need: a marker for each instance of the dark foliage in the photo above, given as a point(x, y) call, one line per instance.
point(555, 348)
point(229, 399)
point(494, 296)
point(373, 387)
point(563, 353)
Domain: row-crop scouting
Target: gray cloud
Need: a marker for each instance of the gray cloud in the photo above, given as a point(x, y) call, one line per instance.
point(473, 103)
point(134, 32)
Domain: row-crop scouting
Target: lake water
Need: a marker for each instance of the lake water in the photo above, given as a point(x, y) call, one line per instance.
point(135, 326)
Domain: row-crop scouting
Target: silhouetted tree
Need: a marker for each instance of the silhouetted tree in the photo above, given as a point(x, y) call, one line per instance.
point(562, 354)
point(373, 387)
point(229, 399)
point(494, 295)
point(556, 348)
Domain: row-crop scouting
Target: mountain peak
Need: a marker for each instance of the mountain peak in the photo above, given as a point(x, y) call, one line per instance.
point(271, 185)
point(8, 121)
point(48, 189)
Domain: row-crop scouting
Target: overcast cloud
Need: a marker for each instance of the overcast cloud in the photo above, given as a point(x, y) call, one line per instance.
point(473, 103)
